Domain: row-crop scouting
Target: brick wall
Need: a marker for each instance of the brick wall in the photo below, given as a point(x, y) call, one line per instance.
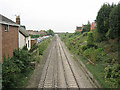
point(93, 26)
point(9, 40)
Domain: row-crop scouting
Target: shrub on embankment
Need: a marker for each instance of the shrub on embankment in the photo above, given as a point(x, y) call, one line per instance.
point(108, 76)
point(16, 71)
point(42, 47)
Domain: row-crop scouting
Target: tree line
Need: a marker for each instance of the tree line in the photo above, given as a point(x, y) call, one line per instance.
point(108, 22)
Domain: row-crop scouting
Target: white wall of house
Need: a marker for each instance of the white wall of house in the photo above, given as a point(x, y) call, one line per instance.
point(28, 42)
point(22, 40)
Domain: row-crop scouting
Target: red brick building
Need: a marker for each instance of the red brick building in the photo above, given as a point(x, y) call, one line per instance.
point(78, 28)
point(33, 32)
point(81, 28)
point(9, 36)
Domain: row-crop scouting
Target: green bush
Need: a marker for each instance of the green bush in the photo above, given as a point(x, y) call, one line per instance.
point(34, 46)
point(41, 49)
point(112, 75)
point(43, 46)
point(78, 51)
point(98, 37)
point(90, 39)
point(87, 52)
point(70, 36)
point(84, 34)
point(35, 36)
point(83, 48)
point(77, 44)
point(22, 55)
point(93, 54)
point(92, 45)
point(97, 55)
point(77, 33)
point(9, 70)
point(25, 48)
point(50, 32)
point(16, 68)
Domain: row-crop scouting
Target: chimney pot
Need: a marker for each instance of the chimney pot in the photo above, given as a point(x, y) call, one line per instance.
point(18, 19)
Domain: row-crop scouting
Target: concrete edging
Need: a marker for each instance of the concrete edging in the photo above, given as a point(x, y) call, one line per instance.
point(88, 73)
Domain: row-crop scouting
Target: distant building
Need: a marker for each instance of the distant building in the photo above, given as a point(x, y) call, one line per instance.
point(42, 32)
point(78, 28)
point(33, 32)
point(24, 37)
point(84, 26)
point(81, 28)
point(9, 40)
point(33, 41)
point(93, 26)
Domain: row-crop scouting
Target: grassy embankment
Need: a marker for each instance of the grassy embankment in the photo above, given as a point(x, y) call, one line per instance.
point(105, 53)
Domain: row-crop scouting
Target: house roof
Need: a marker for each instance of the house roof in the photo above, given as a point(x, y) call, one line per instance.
point(24, 32)
point(5, 20)
point(32, 32)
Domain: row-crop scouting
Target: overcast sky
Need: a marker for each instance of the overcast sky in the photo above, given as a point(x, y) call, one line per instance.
point(58, 15)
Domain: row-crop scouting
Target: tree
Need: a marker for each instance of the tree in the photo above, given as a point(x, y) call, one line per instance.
point(84, 30)
point(114, 22)
point(88, 26)
point(103, 20)
point(90, 39)
point(77, 33)
point(50, 32)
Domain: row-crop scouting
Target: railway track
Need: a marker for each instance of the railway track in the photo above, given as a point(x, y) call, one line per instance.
point(61, 71)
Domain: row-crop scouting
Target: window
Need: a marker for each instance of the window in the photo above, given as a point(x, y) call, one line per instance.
point(6, 28)
point(28, 43)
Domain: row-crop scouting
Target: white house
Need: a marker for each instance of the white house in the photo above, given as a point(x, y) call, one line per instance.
point(24, 38)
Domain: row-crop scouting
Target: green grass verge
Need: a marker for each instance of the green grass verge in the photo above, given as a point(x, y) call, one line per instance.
point(97, 70)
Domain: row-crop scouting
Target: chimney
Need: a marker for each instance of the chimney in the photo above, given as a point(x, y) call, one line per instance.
point(18, 19)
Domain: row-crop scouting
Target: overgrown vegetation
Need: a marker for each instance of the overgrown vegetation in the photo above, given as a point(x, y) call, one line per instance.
point(100, 46)
point(35, 36)
point(108, 22)
point(87, 28)
point(48, 32)
point(42, 47)
point(16, 71)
